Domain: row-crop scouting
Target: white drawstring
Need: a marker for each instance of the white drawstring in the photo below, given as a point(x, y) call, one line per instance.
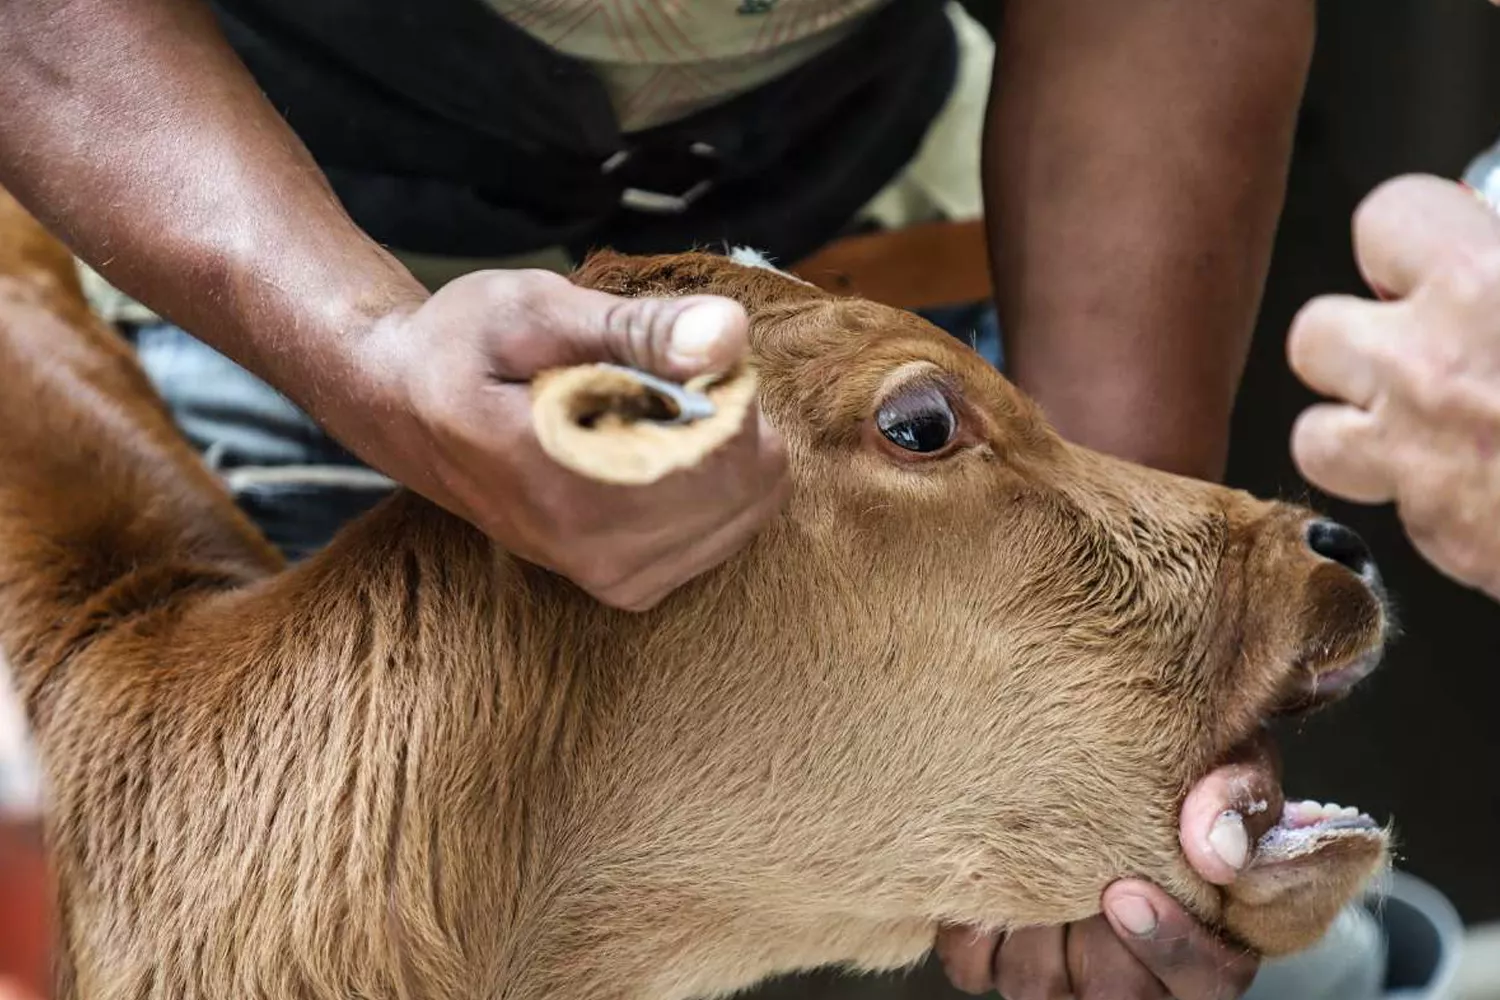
point(339, 476)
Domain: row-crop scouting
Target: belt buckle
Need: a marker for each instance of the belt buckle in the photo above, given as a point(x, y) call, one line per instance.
point(639, 199)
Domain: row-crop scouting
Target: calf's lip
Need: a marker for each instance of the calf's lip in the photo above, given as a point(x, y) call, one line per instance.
point(1317, 682)
point(1287, 831)
point(1309, 686)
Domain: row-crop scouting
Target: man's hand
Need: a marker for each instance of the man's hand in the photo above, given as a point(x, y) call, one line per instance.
point(1145, 946)
point(203, 179)
point(450, 382)
point(1416, 378)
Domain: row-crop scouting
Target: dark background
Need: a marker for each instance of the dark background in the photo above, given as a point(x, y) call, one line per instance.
point(1397, 86)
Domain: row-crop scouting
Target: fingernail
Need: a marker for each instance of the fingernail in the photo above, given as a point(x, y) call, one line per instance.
point(1134, 914)
point(1229, 840)
point(697, 331)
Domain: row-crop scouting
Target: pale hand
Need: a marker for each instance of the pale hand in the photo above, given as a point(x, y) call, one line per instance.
point(1415, 378)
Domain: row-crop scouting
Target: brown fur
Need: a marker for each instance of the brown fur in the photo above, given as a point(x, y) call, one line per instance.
point(972, 689)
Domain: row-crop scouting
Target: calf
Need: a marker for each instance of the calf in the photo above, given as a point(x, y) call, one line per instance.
point(967, 676)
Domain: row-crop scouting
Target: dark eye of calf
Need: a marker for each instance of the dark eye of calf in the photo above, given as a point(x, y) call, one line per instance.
point(917, 419)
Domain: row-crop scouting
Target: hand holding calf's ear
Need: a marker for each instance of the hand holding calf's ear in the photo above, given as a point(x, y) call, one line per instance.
point(627, 509)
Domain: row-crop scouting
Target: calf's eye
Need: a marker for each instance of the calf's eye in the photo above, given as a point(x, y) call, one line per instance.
point(917, 419)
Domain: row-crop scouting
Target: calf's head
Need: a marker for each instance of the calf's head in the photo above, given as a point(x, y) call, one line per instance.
point(971, 672)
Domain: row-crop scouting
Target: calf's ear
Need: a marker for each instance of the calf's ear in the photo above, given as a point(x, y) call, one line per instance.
point(622, 427)
point(619, 426)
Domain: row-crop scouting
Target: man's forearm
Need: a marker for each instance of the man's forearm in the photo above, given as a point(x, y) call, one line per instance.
point(130, 128)
point(1135, 166)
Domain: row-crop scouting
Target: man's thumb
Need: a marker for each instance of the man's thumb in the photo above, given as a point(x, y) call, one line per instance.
point(674, 338)
point(545, 321)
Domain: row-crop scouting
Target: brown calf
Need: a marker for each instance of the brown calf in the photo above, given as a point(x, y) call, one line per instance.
point(966, 677)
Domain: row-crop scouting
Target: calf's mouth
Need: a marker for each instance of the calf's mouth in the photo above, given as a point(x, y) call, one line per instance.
point(1296, 829)
point(1293, 831)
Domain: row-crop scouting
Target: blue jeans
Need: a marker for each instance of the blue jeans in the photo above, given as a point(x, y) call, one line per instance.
point(293, 480)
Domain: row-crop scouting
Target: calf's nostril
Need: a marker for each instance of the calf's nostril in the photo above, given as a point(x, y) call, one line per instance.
point(1332, 540)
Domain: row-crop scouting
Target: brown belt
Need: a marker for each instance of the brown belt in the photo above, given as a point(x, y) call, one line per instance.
point(926, 265)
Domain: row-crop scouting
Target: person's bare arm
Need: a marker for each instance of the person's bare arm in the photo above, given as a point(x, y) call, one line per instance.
point(131, 129)
point(1135, 166)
